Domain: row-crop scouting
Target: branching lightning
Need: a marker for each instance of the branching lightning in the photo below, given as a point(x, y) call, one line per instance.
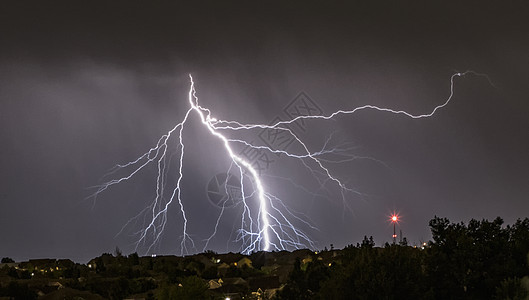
point(271, 226)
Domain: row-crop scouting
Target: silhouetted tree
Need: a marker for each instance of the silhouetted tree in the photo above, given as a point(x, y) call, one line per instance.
point(134, 259)
point(117, 252)
point(192, 287)
point(367, 243)
point(472, 261)
point(17, 291)
point(305, 284)
point(513, 289)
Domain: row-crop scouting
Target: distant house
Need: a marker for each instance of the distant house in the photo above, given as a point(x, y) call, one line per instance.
point(287, 258)
point(271, 293)
point(204, 260)
point(46, 265)
point(215, 283)
point(65, 263)
point(230, 258)
point(235, 281)
point(258, 294)
point(55, 284)
point(245, 261)
point(9, 265)
point(234, 285)
point(69, 293)
point(310, 258)
point(38, 264)
point(104, 259)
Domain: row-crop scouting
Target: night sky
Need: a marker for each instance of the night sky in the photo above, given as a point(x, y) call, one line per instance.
point(84, 86)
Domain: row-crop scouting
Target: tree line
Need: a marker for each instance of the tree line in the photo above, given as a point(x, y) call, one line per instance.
point(478, 260)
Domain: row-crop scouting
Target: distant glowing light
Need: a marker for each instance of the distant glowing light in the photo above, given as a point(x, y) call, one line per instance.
point(394, 218)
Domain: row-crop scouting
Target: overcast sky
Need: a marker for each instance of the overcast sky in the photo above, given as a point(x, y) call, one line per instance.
point(86, 86)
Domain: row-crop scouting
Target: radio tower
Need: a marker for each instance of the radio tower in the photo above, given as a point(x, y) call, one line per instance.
point(394, 220)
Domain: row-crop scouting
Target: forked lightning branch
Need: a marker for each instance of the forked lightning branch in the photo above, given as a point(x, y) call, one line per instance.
point(266, 223)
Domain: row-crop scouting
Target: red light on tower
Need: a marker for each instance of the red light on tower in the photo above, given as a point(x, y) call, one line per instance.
point(394, 218)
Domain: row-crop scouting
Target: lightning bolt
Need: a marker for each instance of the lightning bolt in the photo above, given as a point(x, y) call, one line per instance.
point(271, 227)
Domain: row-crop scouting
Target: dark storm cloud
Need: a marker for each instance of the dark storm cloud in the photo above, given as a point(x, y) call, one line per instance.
point(86, 85)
